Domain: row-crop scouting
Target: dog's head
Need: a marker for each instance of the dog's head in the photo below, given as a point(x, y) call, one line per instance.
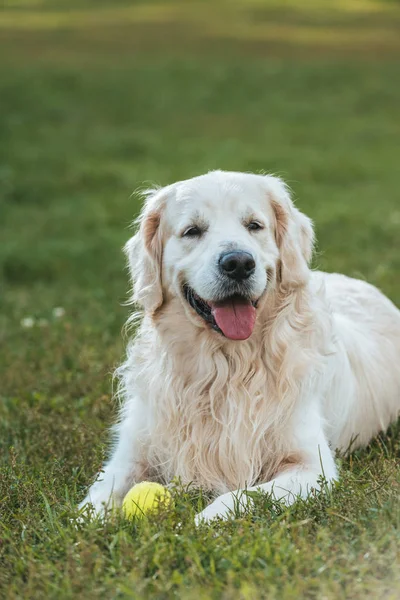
point(219, 243)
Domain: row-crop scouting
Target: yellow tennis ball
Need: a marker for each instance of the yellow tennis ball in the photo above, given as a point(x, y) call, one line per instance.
point(144, 498)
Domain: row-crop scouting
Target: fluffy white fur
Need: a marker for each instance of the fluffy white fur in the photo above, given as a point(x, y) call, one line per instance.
point(319, 372)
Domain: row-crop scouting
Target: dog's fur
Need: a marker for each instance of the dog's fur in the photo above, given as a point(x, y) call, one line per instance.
point(319, 372)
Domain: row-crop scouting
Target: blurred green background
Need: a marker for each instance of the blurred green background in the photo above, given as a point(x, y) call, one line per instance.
point(100, 98)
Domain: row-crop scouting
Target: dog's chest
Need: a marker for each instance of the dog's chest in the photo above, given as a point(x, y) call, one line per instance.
point(218, 433)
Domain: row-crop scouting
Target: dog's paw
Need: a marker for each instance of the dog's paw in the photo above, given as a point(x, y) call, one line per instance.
point(225, 507)
point(212, 512)
point(97, 505)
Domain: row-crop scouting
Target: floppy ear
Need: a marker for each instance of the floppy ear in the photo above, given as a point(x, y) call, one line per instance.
point(144, 252)
point(294, 237)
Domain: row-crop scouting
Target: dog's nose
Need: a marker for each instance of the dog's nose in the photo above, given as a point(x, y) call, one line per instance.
point(237, 265)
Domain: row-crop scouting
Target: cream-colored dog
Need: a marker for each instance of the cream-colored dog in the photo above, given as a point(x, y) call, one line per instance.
point(248, 370)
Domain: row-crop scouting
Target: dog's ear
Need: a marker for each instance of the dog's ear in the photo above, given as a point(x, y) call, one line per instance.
point(144, 251)
point(294, 237)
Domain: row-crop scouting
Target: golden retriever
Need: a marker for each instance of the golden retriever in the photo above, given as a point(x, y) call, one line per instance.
point(248, 369)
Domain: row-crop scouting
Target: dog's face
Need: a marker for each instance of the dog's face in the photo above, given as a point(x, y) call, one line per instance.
point(220, 251)
point(219, 243)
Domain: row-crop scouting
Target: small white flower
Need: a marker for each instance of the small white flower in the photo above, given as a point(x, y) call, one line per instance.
point(27, 322)
point(58, 312)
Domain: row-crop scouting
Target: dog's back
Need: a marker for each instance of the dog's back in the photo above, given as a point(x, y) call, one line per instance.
point(367, 327)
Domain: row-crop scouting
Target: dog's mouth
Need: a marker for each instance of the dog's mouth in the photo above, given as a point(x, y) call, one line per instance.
point(234, 317)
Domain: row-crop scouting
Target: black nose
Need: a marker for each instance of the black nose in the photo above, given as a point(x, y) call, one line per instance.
point(237, 265)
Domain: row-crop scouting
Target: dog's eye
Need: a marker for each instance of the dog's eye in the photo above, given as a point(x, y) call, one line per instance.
point(193, 231)
point(254, 226)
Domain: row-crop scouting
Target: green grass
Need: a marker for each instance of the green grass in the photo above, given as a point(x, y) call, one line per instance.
point(96, 100)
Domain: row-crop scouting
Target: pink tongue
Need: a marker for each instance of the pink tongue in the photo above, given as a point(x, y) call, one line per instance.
point(235, 318)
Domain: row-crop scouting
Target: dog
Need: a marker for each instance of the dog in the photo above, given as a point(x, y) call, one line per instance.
point(248, 369)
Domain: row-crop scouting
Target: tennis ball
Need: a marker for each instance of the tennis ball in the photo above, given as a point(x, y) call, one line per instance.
point(144, 498)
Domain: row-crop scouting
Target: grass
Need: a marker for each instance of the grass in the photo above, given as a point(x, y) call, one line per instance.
point(93, 108)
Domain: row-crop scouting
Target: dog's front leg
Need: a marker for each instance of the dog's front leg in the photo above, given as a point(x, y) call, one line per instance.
point(309, 460)
point(126, 466)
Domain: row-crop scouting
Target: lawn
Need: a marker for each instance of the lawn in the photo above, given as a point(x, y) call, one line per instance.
point(97, 99)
